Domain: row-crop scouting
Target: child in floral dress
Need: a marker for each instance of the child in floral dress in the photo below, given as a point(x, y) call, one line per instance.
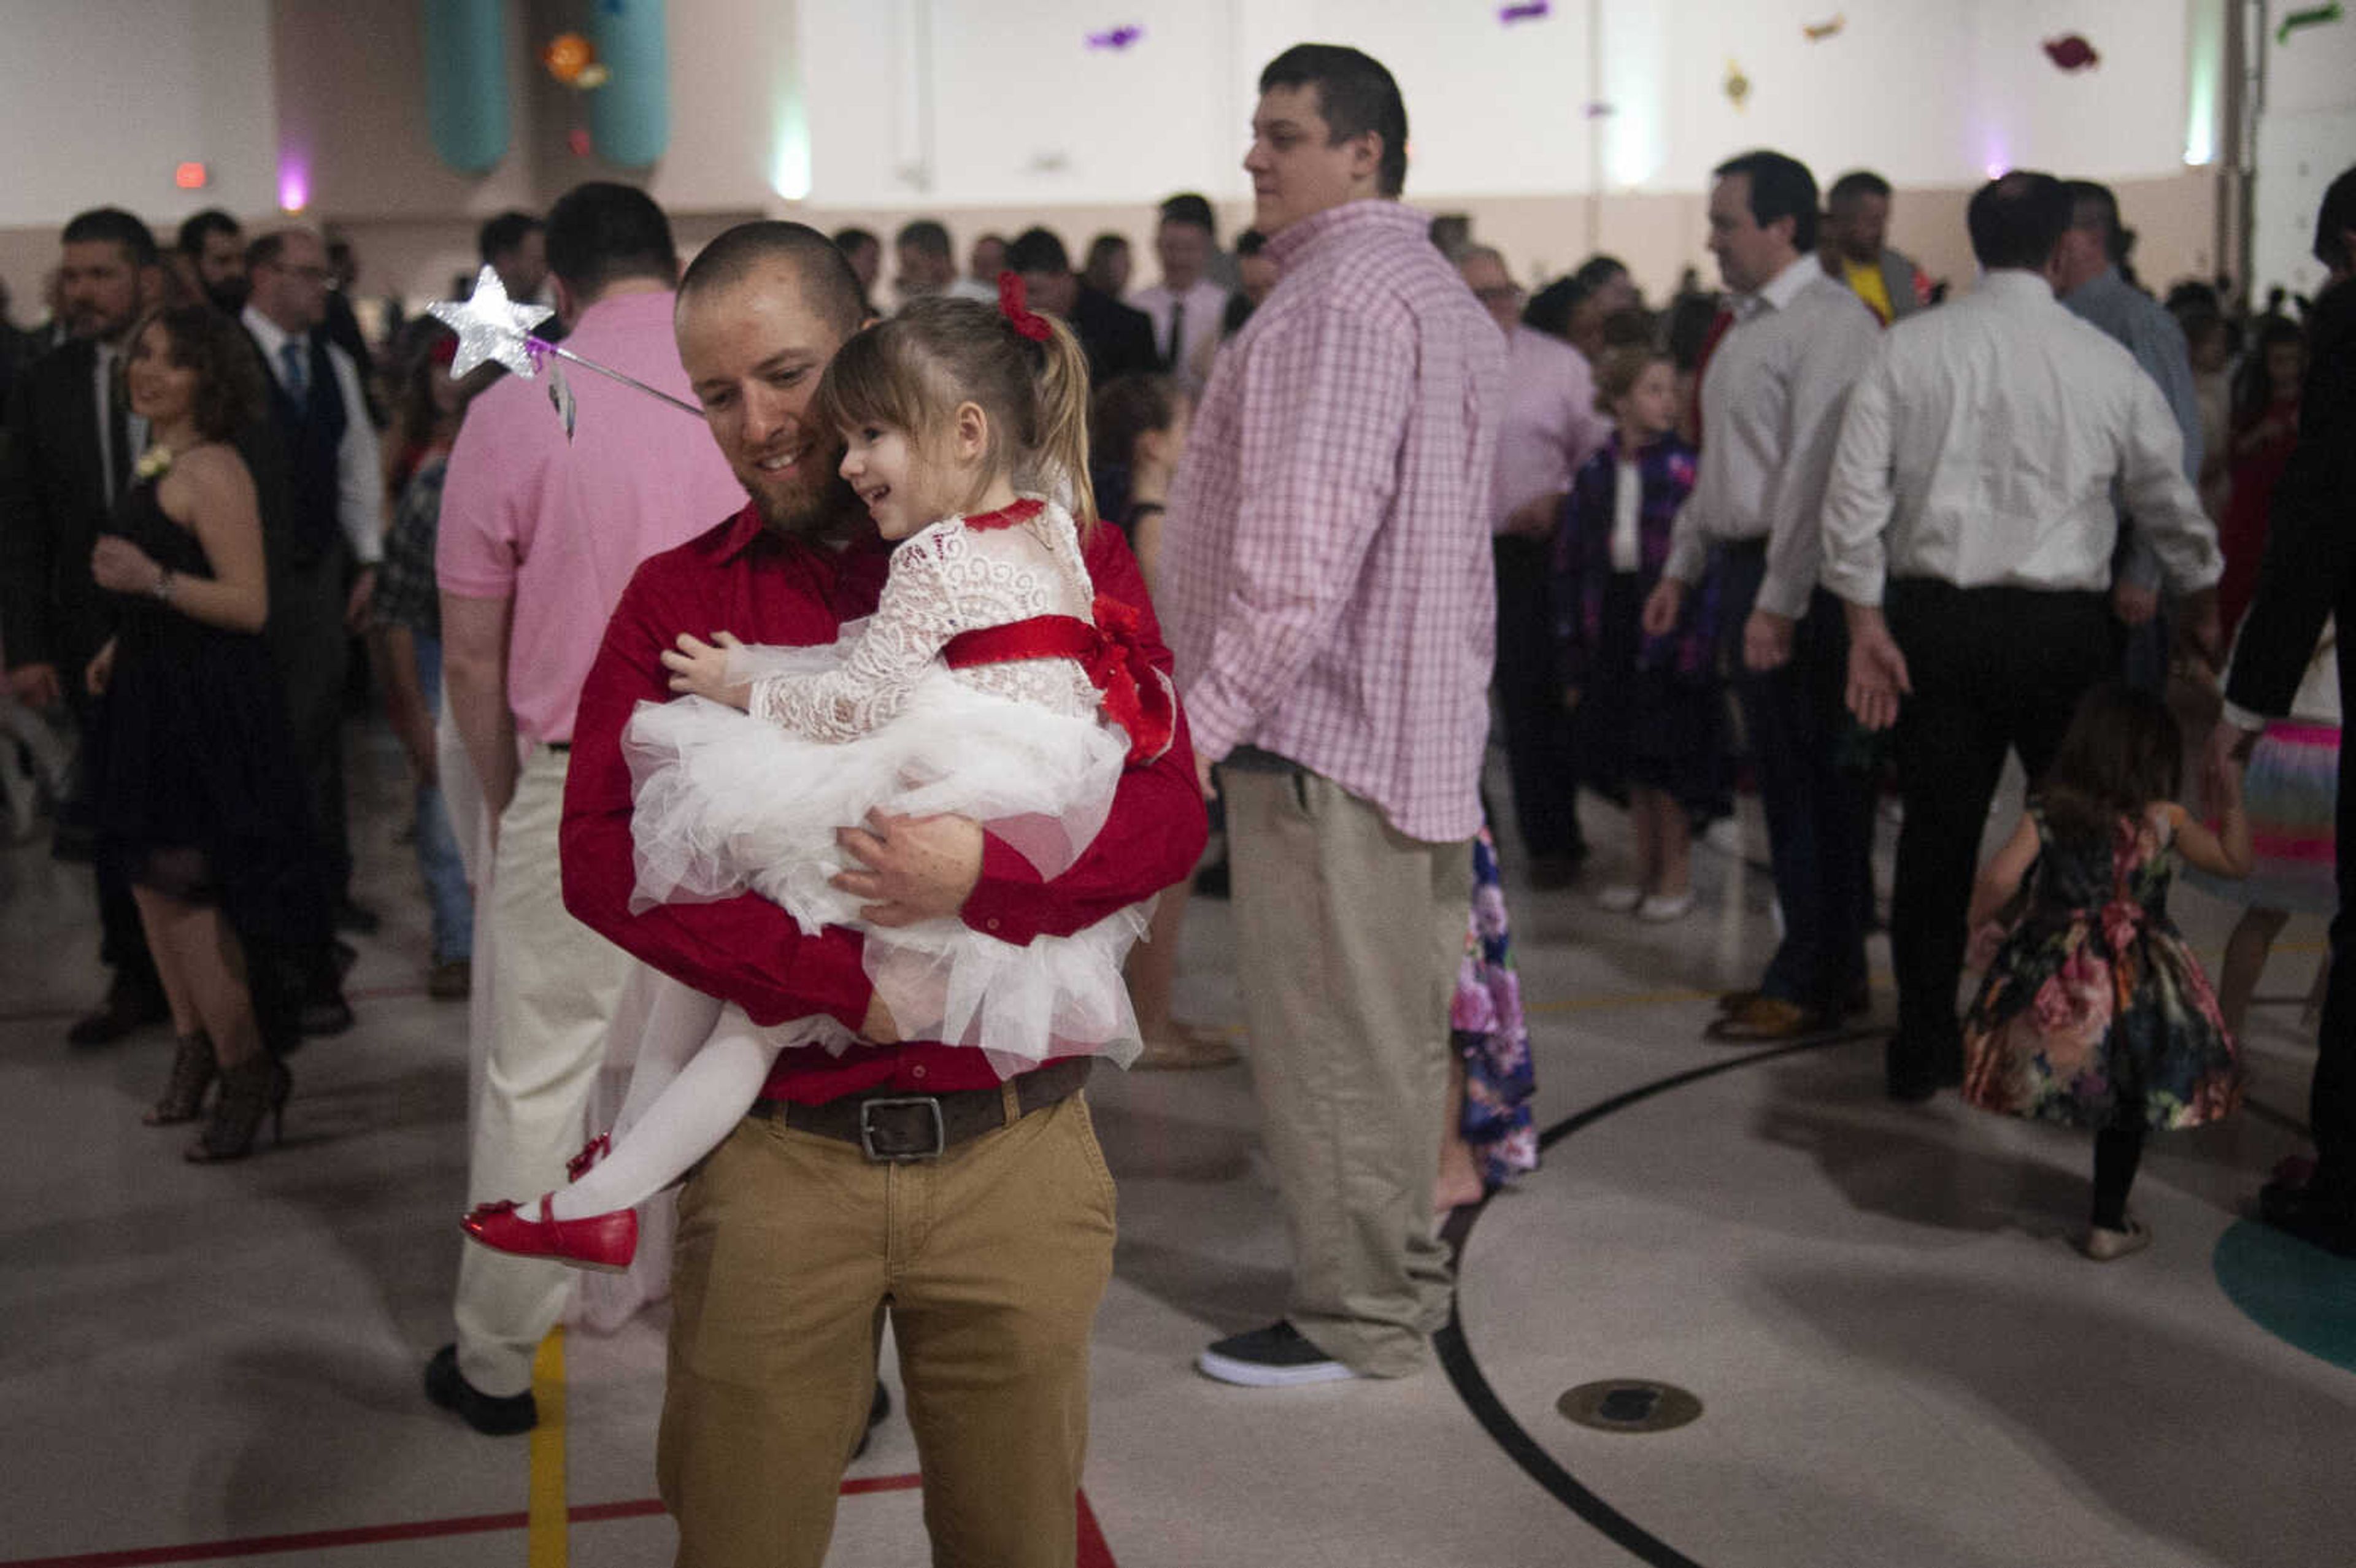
point(2094, 1011)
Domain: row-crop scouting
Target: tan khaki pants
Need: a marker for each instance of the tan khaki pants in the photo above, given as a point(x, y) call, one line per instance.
point(553, 985)
point(1350, 934)
point(792, 1249)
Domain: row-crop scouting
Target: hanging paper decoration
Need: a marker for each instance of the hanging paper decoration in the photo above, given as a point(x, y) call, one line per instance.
point(2071, 51)
point(1116, 38)
point(578, 140)
point(2313, 17)
point(1599, 110)
point(466, 69)
point(1817, 32)
point(567, 56)
point(1737, 86)
point(630, 119)
point(1528, 11)
point(493, 328)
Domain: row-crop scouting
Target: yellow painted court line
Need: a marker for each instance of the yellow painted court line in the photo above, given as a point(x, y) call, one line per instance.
point(545, 1519)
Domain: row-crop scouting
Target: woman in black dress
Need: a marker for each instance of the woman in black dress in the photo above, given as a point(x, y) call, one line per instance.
point(195, 782)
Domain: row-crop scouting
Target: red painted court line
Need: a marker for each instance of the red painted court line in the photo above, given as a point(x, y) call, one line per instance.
point(1093, 1552)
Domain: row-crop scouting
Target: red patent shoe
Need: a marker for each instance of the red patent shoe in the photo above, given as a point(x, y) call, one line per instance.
point(605, 1242)
point(593, 1151)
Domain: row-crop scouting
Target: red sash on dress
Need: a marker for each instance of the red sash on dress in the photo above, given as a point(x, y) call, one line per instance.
point(1135, 694)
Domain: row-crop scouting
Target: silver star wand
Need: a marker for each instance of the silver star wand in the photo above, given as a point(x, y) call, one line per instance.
point(494, 328)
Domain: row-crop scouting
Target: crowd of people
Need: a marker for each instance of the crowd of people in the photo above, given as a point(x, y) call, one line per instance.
point(825, 761)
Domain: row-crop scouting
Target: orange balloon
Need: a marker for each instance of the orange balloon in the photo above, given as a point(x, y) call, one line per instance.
point(567, 56)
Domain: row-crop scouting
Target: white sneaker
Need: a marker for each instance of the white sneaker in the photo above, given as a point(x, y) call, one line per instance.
point(1619, 897)
point(1661, 908)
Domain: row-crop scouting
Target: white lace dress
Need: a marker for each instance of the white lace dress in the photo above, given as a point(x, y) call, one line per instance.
point(726, 801)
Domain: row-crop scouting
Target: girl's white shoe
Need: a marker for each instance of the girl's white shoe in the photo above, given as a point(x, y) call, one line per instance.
point(1619, 897)
point(1661, 908)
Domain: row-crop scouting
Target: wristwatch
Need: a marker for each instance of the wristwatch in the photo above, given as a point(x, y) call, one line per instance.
point(163, 589)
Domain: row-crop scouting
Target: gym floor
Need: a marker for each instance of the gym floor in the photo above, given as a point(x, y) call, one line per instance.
point(1898, 1356)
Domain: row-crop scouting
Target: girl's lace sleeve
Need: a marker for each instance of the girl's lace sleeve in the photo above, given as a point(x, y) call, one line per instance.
point(915, 615)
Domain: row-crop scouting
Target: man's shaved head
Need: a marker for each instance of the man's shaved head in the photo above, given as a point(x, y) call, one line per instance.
point(830, 290)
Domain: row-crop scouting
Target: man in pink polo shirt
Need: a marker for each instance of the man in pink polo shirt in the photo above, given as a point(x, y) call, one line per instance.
point(539, 533)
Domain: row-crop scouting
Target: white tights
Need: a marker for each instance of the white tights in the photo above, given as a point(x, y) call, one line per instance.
point(700, 1066)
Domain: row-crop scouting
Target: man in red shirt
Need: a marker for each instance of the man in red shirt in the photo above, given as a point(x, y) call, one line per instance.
point(901, 1178)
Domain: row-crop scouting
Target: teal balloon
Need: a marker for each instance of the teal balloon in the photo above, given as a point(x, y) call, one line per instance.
point(629, 117)
point(466, 81)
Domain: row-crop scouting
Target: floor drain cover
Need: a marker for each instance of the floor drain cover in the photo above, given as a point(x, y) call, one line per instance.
point(1629, 1404)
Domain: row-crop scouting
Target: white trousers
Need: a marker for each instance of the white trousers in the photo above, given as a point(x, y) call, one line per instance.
point(553, 985)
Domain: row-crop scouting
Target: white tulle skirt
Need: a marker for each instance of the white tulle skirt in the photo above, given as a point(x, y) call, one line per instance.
point(726, 803)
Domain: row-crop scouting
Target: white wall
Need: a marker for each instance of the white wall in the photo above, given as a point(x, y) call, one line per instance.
point(980, 111)
point(102, 99)
point(2306, 136)
point(946, 100)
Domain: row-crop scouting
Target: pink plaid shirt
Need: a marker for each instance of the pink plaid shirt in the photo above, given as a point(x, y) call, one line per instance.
point(1328, 589)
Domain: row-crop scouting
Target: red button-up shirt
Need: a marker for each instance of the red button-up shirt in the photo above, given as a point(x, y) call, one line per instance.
point(742, 579)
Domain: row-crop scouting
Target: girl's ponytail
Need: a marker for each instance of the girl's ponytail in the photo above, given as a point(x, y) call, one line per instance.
point(1063, 418)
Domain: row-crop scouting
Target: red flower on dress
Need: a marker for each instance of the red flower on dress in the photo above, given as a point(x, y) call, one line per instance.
point(2072, 1010)
point(1011, 306)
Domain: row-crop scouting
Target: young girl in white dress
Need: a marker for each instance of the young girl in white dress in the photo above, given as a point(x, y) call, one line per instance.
point(986, 684)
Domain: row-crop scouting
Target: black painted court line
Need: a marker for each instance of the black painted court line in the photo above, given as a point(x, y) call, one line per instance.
point(1463, 1369)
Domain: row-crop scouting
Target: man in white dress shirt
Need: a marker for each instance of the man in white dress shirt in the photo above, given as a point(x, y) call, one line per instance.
point(1969, 527)
point(323, 568)
point(1186, 305)
point(1771, 405)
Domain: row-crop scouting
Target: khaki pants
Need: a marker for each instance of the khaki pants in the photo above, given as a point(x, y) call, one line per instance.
point(553, 985)
point(792, 1248)
point(1350, 936)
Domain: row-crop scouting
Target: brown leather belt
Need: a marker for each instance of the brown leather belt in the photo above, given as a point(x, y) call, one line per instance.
point(894, 1128)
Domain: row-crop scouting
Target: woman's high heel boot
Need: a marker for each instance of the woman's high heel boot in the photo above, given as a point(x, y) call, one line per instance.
point(184, 1094)
point(255, 1088)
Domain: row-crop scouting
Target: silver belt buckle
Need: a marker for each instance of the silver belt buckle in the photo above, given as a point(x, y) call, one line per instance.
point(867, 1108)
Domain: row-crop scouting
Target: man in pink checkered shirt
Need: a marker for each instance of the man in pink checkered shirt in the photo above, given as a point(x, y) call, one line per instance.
point(1329, 595)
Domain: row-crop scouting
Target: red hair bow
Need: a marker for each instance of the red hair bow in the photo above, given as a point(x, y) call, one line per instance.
point(1011, 305)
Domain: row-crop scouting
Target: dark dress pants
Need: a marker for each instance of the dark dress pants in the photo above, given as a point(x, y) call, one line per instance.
point(1530, 699)
point(308, 645)
point(2332, 1103)
point(1819, 814)
point(1993, 670)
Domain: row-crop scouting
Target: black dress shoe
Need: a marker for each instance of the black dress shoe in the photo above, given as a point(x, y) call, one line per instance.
point(446, 1386)
point(127, 1007)
point(358, 919)
point(1552, 873)
point(2312, 1217)
point(877, 1409)
point(322, 1016)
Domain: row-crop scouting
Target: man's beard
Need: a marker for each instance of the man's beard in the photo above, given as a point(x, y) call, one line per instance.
point(829, 513)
